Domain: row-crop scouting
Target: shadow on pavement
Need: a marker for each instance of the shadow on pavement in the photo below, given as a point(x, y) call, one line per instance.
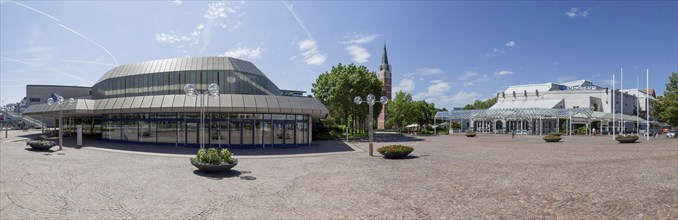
point(403, 158)
point(218, 175)
point(38, 151)
point(317, 147)
point(393, 137)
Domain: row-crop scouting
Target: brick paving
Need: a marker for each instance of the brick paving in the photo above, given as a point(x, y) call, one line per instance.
point(487, 177)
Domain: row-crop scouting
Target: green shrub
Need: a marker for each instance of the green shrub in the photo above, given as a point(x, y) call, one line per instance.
point(211, 156)
point(552, 137)
point(554, 134)
point(627, 136)
point(470, 134)
point(395, 149)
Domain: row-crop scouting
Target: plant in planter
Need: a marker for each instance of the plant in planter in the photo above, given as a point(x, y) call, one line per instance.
point(626, 138)
point(212, 161)
point(470, 134)
point(552, 137)
point(40, 144)
point(395, 151)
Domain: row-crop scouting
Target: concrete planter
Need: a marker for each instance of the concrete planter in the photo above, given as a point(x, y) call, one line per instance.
point(552, 138)
point(41, 145)
point(211, 167)
point(631, 139)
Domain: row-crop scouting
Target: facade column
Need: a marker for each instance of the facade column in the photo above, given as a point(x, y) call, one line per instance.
point(310, 130)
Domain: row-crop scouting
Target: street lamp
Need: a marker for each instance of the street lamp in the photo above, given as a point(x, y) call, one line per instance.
point(212, 91)
point(370, 101)
point(61, 103)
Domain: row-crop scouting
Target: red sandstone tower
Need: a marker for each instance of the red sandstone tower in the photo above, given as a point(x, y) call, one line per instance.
point(385, 78)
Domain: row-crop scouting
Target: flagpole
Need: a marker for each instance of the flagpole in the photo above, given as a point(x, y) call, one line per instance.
point(647, 102)
point(636, 104)
point(621, 88)
point(614, 108)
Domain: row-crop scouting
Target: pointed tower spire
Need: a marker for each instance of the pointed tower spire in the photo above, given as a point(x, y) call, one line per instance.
point(384, 58)
point(384, 76)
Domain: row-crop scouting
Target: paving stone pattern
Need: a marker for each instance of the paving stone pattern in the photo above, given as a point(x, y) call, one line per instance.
point(486, 177)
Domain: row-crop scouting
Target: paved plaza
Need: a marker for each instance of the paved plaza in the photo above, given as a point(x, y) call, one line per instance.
point(448, 177)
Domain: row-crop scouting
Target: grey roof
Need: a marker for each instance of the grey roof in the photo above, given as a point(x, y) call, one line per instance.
point(182, 64)
point(181, 103)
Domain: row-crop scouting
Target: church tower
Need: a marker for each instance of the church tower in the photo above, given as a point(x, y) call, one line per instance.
point(385, 78)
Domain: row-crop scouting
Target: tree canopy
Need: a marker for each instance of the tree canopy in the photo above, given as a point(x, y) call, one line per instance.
point(666, 107)
point(337, 88)
point(478, 104)
point(403, 111)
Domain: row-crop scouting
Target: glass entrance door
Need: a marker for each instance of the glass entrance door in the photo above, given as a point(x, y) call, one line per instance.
point(234, 137)
point(278, 133)
point(192, 132)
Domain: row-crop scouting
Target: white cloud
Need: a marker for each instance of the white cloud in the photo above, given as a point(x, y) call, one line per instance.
point(435, 90)
point(436, 81)
point(468, 75)
point(218, 15)
point(307, 45)
point(577, 12)
point(510, 44)
point(502, 73)
point(316, 59)
point(467, 84)
point(309, 51)
point(356, 38)
point(244, 53)
point(218, 10)
point(429, 71)
point(494, 52)
point(464, 97)
point(358, 54)
point(166, 38)
point(405, 85)
point(177, 2)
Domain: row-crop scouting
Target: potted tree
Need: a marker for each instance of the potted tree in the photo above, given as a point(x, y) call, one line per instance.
point(395, 151)
point(212, 161)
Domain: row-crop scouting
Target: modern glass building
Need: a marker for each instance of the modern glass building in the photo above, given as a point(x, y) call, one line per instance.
point(145, 103)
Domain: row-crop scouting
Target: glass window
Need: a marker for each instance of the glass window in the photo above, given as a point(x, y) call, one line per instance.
point(258, 134)
point(234, 138)
point(224, 133)
point(130, 131)
point(278, 133)
point(147, 131)
point(289, 134)
point(247, 133)
point(302, 132)
point(268, 132)
point(290, 117)
point(167, 132)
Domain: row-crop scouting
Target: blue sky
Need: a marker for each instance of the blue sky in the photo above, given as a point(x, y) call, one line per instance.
point(450, 53)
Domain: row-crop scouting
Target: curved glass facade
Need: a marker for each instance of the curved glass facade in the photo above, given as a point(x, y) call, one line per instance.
point(172, 83)
point(227, 130)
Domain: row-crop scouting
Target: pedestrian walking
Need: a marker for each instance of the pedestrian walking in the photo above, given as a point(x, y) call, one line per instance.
point(513, 134)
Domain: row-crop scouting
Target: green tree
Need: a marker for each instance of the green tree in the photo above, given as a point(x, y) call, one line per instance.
point(478, 104)
point(399, 111)
point(423, 113)
point(337, 88)
point(666, 106)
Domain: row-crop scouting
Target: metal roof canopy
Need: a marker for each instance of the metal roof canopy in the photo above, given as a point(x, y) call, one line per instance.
point(534, 113)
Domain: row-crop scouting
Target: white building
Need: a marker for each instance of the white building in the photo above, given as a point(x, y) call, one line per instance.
point(547, 107)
